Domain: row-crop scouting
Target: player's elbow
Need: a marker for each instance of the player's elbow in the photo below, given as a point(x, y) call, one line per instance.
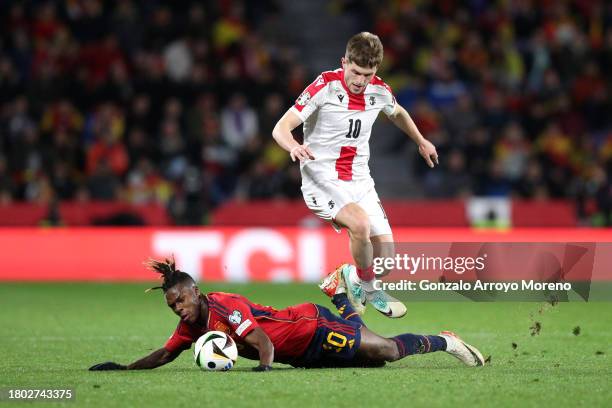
point(285, 125)
point(398, 114)
point(276, 132)
point(281, 129)
point(167, 357)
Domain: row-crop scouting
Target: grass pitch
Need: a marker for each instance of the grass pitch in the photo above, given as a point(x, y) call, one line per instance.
point(51, 334)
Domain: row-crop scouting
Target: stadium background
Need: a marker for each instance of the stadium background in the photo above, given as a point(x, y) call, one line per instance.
point(132, 129)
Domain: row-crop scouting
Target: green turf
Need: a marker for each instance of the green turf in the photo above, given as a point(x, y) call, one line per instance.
point(51, 333)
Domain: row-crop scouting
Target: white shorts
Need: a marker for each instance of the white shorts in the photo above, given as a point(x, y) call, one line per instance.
point(328, 198)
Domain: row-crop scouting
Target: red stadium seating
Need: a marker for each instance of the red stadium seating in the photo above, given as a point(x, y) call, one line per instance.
point(445, 213)
point(425, 213)
point(543, 214)
point(81, 214)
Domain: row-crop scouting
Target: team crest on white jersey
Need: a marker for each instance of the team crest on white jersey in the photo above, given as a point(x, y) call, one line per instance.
point(372, 100)
point(303, 99)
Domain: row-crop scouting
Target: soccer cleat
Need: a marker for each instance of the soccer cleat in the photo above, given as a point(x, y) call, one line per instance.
point(469, 355)
point(386, 304)
point(354, 292)
point(333, 283)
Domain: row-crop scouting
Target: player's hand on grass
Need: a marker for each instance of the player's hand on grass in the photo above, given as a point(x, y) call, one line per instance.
point(301, 153)
point(428, 151)
point(262, 367)
point(107, 366)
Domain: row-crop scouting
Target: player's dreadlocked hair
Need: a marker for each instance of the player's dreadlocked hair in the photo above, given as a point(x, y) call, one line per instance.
point(170, 274)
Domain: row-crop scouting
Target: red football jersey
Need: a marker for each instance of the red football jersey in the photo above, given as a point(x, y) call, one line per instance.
point(290, 329)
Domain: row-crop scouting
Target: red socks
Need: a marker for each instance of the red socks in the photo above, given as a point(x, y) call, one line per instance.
point(366, 275)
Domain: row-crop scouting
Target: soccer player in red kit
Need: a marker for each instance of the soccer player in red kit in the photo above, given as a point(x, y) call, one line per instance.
point(305, 335)
point(338, 111)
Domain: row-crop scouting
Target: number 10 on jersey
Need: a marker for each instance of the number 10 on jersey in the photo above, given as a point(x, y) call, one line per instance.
point(354, 129)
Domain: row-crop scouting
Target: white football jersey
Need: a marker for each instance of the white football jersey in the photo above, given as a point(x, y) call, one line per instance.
point(338, 124)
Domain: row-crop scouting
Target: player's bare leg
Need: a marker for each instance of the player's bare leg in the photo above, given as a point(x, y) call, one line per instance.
point(383, 247)
point(375, 348)
point(360, 280)
point(357, 222)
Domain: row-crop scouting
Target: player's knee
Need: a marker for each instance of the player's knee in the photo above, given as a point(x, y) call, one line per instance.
point(391, 351)
point(360, 229)
point(386, 351)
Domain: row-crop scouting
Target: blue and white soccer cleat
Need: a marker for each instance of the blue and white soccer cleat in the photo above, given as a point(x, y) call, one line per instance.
point(354, 292)
point(386, 304)
point(340, 281)
point(469, 355)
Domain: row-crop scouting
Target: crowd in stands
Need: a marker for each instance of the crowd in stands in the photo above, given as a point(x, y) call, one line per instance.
point(174, 102)
point(516, 95)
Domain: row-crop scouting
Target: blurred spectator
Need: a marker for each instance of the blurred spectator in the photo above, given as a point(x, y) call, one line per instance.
point(172, 150)
point(103, 184)
point(446, 89)
point(512, 151)
point(109, 151)
point(61, 181)
point(178, 60)
point(461, 119)
point(6, 184)
point(145, 186)
point(239, 123)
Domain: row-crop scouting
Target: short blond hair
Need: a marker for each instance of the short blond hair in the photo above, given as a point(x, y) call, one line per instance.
point(365, 49)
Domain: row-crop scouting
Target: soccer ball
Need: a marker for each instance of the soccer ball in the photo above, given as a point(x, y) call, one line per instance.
point(215, 351)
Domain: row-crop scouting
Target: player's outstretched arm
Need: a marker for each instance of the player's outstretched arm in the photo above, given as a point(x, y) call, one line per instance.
point(153, 360)
point(402, 120)
point(260, 341)
point(282, 134)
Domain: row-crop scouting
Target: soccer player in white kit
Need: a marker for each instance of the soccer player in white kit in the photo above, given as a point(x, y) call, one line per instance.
point(338, 111)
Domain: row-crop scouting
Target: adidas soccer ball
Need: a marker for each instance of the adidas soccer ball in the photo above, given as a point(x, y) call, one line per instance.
point(215, 351)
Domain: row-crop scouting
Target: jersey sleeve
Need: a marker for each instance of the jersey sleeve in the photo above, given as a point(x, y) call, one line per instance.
point(180, 340)
point(389, 107)
point(239, 316)
point(311, 99)
point(390, 102)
